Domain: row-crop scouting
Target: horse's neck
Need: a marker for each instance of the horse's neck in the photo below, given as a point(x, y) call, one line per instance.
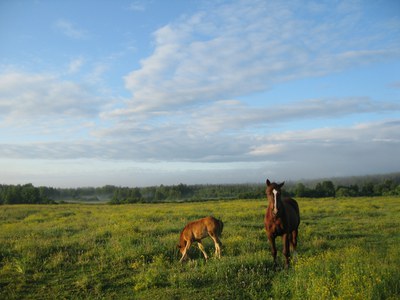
point(269, 209)
point(281, 215)
point(270, 205)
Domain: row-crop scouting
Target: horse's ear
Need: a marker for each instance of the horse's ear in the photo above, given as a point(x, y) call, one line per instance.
point(268, 182)
point(281, 185)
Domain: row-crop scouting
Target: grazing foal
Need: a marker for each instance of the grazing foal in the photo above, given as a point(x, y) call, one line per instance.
point(196, 231)
point(281, 219)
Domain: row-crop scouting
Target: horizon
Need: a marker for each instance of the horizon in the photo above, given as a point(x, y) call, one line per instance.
point(144, 93)
point(287, 182)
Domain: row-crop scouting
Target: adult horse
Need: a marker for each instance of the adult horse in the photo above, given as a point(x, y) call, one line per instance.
point(196, 231)
point(281, 219)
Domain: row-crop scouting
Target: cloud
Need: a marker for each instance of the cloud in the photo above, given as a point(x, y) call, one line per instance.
point(137, 6)
point(333, 151)
point(229, 131)
point(266, 149)
point(75, 65)
point(96, 75)
point(223, 133)
point(26, 96)
point(234, 115)
point(226, 131)
point(394, 85)
point(202, 59)
point(362, 149)
point(70, 30)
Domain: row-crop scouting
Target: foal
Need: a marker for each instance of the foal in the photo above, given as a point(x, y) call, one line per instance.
point(281, 219)
point(196, 231)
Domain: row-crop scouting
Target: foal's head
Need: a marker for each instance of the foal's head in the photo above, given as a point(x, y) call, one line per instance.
point(182, 244)
point(273, 192)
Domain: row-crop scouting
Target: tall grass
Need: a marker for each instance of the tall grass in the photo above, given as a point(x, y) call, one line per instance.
point(348, 249)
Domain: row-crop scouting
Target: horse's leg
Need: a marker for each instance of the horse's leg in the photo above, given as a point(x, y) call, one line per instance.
point(286, 248)
point(293, 241)
point(217, 244)
point(184, 254)
point(271, 239)
point(201, 247)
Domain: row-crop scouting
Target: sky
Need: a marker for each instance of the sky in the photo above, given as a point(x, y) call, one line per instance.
point(140, 93)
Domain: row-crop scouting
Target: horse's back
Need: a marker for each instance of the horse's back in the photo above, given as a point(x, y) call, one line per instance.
point(293, 212)
point(293, 203)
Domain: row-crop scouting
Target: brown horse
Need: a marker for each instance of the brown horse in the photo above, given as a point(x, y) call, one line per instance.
point(196, 231)
point(281, 219)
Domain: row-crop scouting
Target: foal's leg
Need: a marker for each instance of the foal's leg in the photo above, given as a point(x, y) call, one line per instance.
point(201, 247)
point(217, 244)
point(184, 254)
point(218, 247)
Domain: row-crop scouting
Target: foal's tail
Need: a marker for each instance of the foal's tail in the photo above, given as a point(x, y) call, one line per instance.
point(220, 227)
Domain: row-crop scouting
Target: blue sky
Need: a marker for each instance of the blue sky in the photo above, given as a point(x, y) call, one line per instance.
point(142, 93)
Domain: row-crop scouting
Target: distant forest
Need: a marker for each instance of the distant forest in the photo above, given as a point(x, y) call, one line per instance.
point(374, 185)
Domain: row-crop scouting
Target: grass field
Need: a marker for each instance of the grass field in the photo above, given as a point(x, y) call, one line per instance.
point(348, 249)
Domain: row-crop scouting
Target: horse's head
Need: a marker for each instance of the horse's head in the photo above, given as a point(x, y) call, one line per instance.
point(273, 192)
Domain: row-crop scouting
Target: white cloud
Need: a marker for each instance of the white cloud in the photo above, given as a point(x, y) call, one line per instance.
point(71, 30)
point(266, 149)
point(225, 116)
point(96, 75)
point(75, 65)
point(35, 97)
point(223, 131)
point(363, 148)
point(138, 6)
point(229, 130)
point(201, 59)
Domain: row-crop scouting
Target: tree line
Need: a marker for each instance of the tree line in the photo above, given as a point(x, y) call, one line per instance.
point(328, 189)
point(184, 192)
point(24, 194)
point(29, 194)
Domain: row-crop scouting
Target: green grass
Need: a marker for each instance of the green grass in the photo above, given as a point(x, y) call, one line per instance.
point(348, 249)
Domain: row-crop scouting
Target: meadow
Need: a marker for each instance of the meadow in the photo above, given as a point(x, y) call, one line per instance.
point(349, 248)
